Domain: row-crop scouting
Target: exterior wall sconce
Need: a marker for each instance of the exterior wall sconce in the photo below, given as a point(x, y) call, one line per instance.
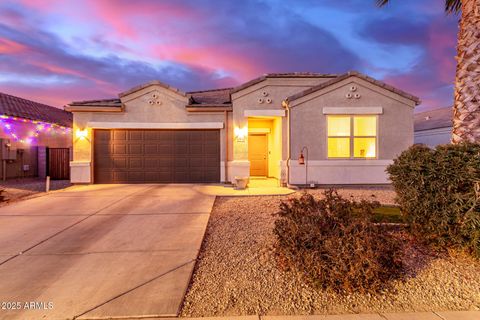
point(240, 133)
point(81, 134)
point(302, 160)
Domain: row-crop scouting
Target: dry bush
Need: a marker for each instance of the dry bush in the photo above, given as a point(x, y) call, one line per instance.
point(333, 244)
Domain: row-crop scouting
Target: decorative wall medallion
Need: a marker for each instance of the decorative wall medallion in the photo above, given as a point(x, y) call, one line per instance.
point(154, 98)
point(352, 93)
point(263, 98)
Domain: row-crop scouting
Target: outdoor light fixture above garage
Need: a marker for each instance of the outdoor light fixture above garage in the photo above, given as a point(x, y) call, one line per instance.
point(81, 134)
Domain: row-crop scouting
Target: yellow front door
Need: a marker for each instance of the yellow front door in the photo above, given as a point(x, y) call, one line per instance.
point(257, 154)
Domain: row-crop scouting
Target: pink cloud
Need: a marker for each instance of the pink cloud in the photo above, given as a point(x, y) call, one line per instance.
point(121, 15)
point(8, 46)
point(213, 58)
point(58, 95)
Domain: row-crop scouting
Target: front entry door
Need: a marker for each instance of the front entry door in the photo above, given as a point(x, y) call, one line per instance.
point(257, 154)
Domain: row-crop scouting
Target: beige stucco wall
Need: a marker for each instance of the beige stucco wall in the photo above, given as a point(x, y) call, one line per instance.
point(138, 111)
point(308, 128)
point(275, 89)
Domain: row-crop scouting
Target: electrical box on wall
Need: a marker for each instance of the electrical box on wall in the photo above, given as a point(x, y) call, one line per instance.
point(7, 151)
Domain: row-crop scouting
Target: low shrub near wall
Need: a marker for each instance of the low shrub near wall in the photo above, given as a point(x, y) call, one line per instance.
point(334, 245)
point(439, 193)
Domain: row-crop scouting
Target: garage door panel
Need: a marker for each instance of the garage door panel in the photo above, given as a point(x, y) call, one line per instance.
point(104, 162)
point(120, 176)
point(165, 136)
point(164, 149)
point(119, 163)
point(210, 149)
point(181, 135)
point(104, 135)
point(196, 149)
point(135, 163)
point(135, 149)
point(210, 135)
point(165, 177)
point(135, 135)
point(120, 135)
point(119, 149)
point(166, 162)
point(135, 156)
point(150, 149)
point(136, 176)
point(196, 162)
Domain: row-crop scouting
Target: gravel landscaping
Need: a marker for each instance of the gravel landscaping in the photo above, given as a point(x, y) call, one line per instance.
point(16, 189)
point(236, 272)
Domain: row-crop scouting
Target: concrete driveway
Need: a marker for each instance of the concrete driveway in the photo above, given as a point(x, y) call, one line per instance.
point(101, 251)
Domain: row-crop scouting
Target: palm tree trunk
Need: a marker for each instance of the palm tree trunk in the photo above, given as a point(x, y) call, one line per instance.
point(466, 109)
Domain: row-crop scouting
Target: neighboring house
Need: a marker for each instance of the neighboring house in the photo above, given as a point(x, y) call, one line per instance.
point(35, 139)
point(352, 125)
point(434, 127)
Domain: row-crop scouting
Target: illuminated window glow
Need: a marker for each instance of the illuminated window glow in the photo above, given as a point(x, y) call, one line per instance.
point(352, 136)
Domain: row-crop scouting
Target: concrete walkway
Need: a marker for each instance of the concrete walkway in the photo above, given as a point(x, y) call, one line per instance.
point(101, 251)
point(444, 315)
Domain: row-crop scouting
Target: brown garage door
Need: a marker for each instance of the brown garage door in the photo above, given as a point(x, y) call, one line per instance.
point(163, 156)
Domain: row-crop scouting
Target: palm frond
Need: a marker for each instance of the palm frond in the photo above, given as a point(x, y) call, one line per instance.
point(381, 3)
point(453, 6)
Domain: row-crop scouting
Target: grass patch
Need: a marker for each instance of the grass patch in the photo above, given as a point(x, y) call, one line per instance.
point(388, 214)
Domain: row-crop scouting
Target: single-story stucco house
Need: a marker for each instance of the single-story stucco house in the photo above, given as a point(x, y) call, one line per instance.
point(351, 125)
point(35, 139)
point(434, 127)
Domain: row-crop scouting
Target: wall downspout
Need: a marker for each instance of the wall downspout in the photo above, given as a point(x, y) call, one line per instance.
point(226, 146)
point(287, 107)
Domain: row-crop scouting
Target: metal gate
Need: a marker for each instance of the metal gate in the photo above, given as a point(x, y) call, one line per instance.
point(59, 163)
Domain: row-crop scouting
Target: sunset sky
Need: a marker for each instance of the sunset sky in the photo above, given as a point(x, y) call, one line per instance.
point(57, 51)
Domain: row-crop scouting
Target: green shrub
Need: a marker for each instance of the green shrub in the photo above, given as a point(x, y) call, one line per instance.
point(438, 191)
point(334, 245)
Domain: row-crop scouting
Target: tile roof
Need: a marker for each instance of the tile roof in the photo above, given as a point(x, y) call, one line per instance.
point(282, 75)
point(22, 108)
point(359, 75)
point(98, 103)
point(210, 97)
point(434, 119)
point(154, 82)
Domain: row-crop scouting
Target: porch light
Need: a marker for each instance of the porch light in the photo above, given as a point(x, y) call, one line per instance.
point(81, 134)
point(240, 133)
point(301, 159)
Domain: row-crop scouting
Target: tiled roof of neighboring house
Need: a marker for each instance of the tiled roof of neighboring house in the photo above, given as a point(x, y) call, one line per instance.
point(282, 75)
point(98, 103)
point(359, 75)
point(27, 109)
point(210, 97)
point(434, 119)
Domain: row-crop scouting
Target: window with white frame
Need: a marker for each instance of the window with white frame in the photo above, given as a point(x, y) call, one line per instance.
point(352, 136)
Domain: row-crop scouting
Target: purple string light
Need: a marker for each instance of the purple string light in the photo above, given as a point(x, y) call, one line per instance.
point(7, 123)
